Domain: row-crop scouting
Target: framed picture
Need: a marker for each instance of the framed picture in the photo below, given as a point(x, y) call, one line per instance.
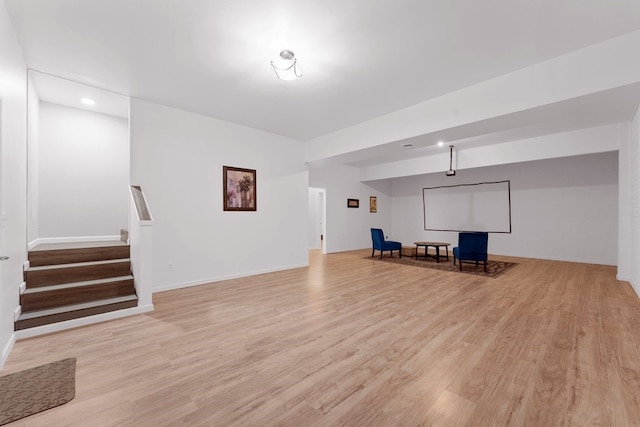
point(239, 189)
point(353, 203)
point(373, 204)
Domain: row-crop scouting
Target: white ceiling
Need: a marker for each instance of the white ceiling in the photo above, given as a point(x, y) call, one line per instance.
point(362, 58)
point(70, 94)
point(602, 108)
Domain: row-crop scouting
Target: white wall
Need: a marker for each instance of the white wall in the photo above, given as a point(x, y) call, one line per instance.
point(33, 159)
point(83, 173)
point(177, 158)
point(350, 228)
point(634, 203)
point(562, 209)
point(13, 90)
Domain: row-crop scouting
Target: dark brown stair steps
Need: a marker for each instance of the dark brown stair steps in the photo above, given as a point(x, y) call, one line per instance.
point(36, 318)
point(45, 297)
point(39, 258)
point(70, 281)
point(76, 272)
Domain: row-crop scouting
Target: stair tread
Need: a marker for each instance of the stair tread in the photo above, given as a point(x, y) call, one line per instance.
point(67, 308)
point(77, 245)
point(78, 264)
point(76, 284)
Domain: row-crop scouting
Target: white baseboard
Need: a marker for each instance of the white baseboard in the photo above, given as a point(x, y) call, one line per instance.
point(83, 321)
point(199, 282)
point(77, 239)
point(6, 350)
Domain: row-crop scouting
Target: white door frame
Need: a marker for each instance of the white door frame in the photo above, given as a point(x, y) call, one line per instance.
point(317, 219)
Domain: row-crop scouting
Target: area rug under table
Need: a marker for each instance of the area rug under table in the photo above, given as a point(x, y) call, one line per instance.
point(37, 389)
point(494, 268)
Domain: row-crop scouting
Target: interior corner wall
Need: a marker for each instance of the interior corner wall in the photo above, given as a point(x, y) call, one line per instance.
point(561, 209)
point(349, 228)
point(177, 158)
point(13, 143)
point(83, 173)
point(634, 202)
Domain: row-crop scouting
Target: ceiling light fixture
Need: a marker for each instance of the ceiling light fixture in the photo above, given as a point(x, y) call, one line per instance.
point(88, 101)
point(440, 143)
point(450, 172)
point(287, 67)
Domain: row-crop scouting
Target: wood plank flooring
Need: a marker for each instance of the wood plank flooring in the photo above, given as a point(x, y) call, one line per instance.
point(357, 342)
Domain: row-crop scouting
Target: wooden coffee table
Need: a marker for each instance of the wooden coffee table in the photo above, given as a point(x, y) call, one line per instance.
point(436, 245)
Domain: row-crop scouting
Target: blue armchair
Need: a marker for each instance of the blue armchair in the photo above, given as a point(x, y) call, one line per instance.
point(384, 245)
point(472, 246)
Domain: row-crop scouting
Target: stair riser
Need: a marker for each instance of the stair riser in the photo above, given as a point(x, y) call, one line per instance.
point(46, 320)
point(75, 295)
point(70, 256)
point(57, 276)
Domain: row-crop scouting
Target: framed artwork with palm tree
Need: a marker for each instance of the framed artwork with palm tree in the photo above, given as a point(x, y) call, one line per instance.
point(239, 192)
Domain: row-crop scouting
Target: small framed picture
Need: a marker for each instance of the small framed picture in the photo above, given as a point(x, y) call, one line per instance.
point(373, 204)
point(353, 203)
point(240, 191)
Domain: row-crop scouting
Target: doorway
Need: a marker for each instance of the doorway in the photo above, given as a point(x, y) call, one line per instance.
point(317, 219)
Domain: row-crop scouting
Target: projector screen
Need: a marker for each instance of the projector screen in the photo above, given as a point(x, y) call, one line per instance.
point(485, 206)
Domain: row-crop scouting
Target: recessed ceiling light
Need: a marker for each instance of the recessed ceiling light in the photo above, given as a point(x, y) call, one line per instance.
point(88, 101)
point(440, 143)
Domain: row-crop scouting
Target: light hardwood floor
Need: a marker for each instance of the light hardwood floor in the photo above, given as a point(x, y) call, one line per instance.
point(357, 342)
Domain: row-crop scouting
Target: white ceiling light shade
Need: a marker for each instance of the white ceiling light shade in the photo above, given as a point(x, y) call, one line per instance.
point(287, 67)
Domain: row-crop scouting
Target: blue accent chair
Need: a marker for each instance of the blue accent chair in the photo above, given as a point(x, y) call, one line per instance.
point(377, 235)
point(472, 247)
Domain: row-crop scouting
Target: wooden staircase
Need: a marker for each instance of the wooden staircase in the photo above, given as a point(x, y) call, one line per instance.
point(69, 283)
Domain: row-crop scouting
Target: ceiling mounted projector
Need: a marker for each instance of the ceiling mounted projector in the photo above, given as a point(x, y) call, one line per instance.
point(450, 172)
